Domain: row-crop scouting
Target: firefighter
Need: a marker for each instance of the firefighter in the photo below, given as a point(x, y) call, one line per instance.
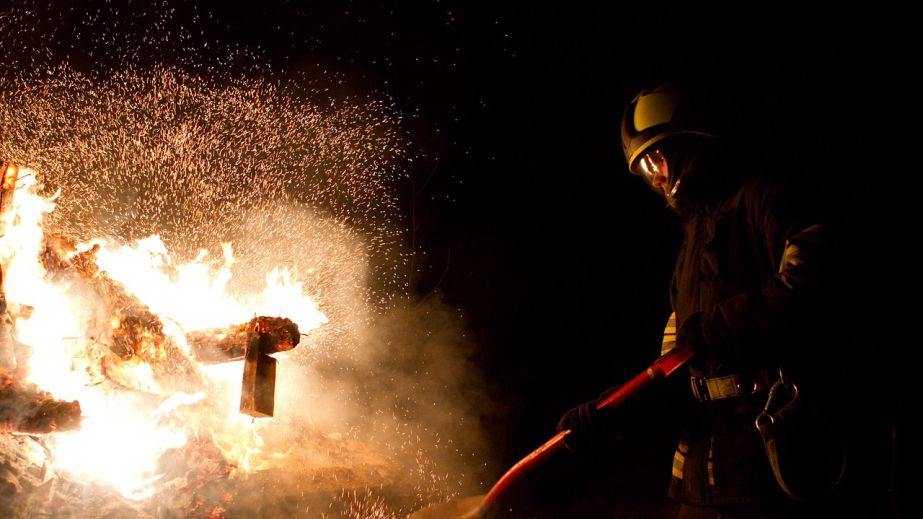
point(750, 292)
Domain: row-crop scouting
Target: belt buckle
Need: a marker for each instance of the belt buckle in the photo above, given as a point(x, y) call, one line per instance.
point(700, 389)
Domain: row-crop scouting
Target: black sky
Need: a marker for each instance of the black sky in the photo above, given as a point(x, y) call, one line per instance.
point(525, 217)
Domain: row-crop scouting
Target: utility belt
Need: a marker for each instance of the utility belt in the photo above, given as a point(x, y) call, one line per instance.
point(706, 389)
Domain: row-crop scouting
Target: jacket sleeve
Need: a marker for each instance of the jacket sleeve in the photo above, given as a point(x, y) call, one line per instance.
point(766, 323)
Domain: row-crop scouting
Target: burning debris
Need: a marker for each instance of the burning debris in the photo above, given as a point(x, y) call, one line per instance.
point(149, 414)
point(304, 183)
point(257, 393)
point(158, 412)
point(139, 334)
point(132, 333)
point(228, 344)
point(26, 409)
point(81, 332)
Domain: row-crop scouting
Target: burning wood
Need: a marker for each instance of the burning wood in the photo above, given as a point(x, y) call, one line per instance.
point(25, 408)
point(138, 333)
point(253, 342)
point(9, 173)
point(134, 331)
point(226, 344)
point(258, 390)
point(83, 319)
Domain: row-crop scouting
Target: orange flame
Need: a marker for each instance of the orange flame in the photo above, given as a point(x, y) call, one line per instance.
point(130, 417)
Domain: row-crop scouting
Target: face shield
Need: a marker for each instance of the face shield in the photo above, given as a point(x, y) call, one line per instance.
point(656, 171)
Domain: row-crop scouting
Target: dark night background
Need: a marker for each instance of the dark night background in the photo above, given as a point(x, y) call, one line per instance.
point(528, 218)
point(523, 211)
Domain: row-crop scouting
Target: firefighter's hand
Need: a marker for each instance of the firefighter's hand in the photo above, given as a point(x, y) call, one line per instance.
point(590, 428)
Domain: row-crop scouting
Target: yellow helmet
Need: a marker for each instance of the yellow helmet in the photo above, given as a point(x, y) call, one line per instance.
point(655, 114)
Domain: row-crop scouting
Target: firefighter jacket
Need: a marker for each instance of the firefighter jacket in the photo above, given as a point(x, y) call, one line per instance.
point(752, 318)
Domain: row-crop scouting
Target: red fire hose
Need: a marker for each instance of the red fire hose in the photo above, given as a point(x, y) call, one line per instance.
point(660, 369)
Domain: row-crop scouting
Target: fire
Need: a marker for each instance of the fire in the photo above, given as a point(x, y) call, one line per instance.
point(133, 412)
point(194, 295)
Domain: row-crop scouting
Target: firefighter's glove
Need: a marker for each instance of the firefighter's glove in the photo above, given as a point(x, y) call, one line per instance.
point(692, 336)
point(591, 428)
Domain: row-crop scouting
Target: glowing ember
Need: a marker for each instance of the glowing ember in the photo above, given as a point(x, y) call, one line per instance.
point(132, 415)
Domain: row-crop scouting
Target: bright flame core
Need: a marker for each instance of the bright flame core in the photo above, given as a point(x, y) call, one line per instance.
point(130, 420)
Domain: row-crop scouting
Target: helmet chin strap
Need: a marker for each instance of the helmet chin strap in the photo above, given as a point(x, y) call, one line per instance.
point(671, 196)
point(677, 200)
